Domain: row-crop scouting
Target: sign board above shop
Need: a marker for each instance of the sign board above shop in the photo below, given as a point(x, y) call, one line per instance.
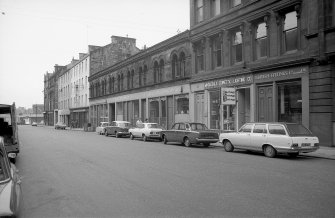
point(228, 96)
point(230, 81)
point(284, 74)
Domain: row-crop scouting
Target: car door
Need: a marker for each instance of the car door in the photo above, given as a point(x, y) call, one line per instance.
point(180, 132)
point(278, 136)
point(258, 136)
point(242, 139)
point(172, 134)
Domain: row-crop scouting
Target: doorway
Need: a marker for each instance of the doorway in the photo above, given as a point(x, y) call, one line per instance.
point(265, 103)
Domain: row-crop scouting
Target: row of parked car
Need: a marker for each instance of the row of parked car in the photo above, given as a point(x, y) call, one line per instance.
point(269, 138)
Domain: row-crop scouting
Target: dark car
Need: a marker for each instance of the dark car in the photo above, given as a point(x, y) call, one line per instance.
point(190, 133)
point(118, 129)
point(10, 185)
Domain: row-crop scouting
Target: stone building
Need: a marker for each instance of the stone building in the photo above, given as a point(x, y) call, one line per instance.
point(151, 84)
point(51, 95)
point(264, 61)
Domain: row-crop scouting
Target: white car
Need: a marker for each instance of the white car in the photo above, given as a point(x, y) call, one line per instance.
point(146, 131)
point(101, 129)
point(271, 138)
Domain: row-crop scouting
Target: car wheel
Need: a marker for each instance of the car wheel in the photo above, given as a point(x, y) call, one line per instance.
point(269, 151)
point(293, 154)
point(207, 144)
point(165, 139)
point(131, 137)
point(228, 146)
point(145, 138)
point(187, 142)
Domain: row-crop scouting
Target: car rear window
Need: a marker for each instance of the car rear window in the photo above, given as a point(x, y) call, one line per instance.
point(298, 130)
point(153, 125)
point(198, 126)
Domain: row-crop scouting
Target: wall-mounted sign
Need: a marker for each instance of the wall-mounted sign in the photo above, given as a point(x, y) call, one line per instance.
point(228, 96)
point(230, 81)
point(282, 74)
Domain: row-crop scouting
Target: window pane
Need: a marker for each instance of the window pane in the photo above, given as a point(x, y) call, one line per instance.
point(216, 5)
point(261, 47)
point(276, 130)
point(291, 40)
point(261, 30)
point(246, 128)
point(237, 38)
point(238, 50)
point(290, 102)
point(214, 109)
point(259, 128)
point(236, 2)
point(291, 20)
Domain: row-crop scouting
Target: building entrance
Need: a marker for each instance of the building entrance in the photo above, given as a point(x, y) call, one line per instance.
point(265, 103)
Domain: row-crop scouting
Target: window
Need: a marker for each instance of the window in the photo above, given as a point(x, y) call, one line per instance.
point(182, 104)
point(260, 128)
point(175, 126)
point(261, 41)
point(216, 7)
point(140, 73)
point(128, 80)
point(237, 47)
point(214, 107)
point(290, 102)
point(182, 126)
point(145, 71)
point(182, 64)
point(175, 69)
point(246, 128)
point(277, 130)
point(199, 10)
point(161, 71)
point(329, 7)
point(121, 85)
point(112, 85)
point(156, 72)
point(200, 58)
point(290, 32)
point(132, 79)
point(236, 2)
point(217, 52)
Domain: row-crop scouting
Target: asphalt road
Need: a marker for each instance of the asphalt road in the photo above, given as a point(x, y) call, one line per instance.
point(82, 174)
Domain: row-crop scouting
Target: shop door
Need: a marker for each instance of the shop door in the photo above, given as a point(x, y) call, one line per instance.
point(199, 108)
point(265, 104)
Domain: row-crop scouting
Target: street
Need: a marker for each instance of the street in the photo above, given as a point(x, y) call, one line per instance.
point(81, 174)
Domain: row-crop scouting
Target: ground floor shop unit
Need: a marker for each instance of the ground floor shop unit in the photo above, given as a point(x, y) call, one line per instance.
point(79, 117)
point(286, 94)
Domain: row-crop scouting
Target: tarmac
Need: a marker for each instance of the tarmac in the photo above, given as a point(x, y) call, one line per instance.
point(322, 152)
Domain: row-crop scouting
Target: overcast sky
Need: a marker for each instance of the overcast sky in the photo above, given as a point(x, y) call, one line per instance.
point(37, 34)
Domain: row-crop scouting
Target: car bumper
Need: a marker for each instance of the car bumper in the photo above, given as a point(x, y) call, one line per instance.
point(206, 140)
point(154, 136)
point(298, 149)
point(123, 133)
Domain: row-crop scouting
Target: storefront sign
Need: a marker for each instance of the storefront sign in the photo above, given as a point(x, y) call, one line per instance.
point(228, 96)
point(283, 74)
point(231, 81)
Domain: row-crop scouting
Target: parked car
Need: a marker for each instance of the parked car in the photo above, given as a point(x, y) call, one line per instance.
point(10, 185)
point(34, 124)
point(190, 133)
point(271, 139)
point(60, 125)
point(101, 128)
point(118, 129)
point(146, 131)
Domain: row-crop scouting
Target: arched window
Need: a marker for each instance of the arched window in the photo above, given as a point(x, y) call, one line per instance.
point(145, 71)
point(119, 83)
point(112, 85)
point(140, 73)
point(156, 72)
point(182, 64)
point(121, 87)
point(132, 79)
point(105, 86)
point(128, 80)
point(161, 71)
point(175, 68)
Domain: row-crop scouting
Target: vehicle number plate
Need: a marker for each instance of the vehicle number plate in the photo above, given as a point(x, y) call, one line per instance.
point(305, 144)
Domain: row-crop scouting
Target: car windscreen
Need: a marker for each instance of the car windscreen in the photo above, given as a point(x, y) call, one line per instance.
point(298, 130)
point(198, 126)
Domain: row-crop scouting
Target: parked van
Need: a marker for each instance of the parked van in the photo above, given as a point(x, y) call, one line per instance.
point(8, 130)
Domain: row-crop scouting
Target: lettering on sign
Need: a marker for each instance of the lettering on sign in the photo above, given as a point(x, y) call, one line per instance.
point(233, 81)
point(280, 74)
point(228, 96)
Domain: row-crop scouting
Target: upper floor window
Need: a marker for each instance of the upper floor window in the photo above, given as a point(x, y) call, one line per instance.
point(235, 3)
point(121, 85)
point(161, 71)
point(175, 67)
point(199, 10)
point(182, 64)
point(132, 79)
point(200, 58)
point(140, 76)
point(215, 7)
point(145, 71)
point(156, 72)
point(329, 7)
point(217, 51)
point(261, 41)
point(237, 47)
point(290, 31)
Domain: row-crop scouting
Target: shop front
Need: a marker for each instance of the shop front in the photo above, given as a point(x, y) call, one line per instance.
point(79, 117)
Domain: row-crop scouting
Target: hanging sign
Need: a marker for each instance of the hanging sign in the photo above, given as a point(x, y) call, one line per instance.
point(228, 96)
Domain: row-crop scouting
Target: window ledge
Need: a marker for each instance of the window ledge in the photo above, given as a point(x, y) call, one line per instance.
point(329, 29)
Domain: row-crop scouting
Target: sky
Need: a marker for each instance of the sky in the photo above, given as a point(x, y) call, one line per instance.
point(35, 35)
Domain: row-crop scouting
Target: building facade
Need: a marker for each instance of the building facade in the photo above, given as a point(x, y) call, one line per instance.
point(51, 95)
point(264, 61)
point(152, 84)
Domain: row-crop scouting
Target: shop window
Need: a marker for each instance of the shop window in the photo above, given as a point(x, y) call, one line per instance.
point(217, 51)
point(290, 102)
point(261, 41)
point(182, 104)
point(229, 117)
point(199, 11)
point(237, 47)
point(290, 32)
point(214, 107)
